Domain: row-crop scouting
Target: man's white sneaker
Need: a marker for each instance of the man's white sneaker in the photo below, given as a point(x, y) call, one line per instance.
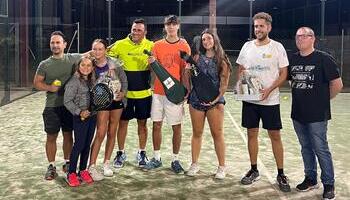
point(192, 171)
point(95, 175)
point(220, 173)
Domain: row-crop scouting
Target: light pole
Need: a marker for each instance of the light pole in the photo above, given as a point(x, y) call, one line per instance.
point(212, 15)
point(180, 14)
point(109, 21)
point(323, 5)
point(251, 19)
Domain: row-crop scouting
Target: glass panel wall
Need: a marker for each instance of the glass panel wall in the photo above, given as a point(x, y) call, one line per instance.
point(25, 27)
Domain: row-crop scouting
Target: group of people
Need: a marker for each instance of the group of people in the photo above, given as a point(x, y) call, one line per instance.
point(314, 78)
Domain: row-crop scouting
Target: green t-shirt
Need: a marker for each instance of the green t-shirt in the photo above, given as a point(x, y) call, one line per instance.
point(60, 69)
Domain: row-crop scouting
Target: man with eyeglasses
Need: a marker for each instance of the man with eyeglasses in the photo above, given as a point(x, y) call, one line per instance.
point(315, 79)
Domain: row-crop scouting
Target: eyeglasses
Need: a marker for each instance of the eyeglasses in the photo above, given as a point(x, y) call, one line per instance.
point(303, 36)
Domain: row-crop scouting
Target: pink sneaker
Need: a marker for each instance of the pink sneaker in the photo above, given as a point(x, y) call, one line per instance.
point(85, 176)
point(72, 180)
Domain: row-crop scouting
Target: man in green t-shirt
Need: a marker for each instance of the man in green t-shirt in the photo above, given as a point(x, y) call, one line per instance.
point(51, 76)
point(130, 51)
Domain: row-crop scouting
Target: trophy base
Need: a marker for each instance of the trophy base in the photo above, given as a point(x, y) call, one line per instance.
point(247, 97)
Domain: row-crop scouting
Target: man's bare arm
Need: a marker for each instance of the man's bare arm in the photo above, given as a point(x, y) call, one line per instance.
point(335, 87)
point(40, 84)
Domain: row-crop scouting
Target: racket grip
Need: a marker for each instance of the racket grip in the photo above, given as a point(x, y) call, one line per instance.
point(145, 51)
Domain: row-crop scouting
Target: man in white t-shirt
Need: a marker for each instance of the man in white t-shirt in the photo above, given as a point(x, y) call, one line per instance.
point(267, 60)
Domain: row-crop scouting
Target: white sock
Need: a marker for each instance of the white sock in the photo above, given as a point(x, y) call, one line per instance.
point(175, 157)
point(122, 150)
point(52, 163)
point(141, 150)
point(157, 155)
point(106, 162)
point(66, 160)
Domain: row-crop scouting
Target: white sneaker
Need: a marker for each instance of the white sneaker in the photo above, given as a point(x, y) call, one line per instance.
point(107, 170)
point(192, 171)
point(95, 175)
point(220, 173)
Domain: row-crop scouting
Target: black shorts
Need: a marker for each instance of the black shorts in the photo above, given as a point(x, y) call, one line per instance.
point(137, 108)
point(57, 118)
point(114, 105)
point(270, 116)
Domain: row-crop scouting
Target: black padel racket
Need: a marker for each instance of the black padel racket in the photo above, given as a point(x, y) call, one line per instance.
point(203, 85)
point(101, 97)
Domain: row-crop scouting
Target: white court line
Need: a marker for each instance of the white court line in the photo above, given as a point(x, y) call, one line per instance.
point(260, 163)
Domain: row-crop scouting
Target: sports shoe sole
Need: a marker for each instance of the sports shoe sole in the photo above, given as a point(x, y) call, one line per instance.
point(120, 166)
point(328, 199)
point(191, 174)
point(181, 172)
point(309, 188)
point(284, 189)
point(219, 178)
point(254, 180)
point(66, 179)
point(49, 178)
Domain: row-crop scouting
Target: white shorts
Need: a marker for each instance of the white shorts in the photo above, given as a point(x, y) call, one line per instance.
point(162, 108)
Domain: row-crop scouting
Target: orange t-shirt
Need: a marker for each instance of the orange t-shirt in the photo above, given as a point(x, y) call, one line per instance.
point(168, 55)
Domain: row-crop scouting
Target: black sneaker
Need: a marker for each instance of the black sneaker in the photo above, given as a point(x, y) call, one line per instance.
point(328, 192)
point(51, 172)
point(65, 167)
point(176, 167)
point(283, 184)
point(307, 185)
point(142, 158)
point(250, 177)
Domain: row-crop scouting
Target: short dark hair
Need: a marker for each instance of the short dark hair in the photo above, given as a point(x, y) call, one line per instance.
point(263, 15)
point(140, 21)
point(171, 19)
point(60, 34)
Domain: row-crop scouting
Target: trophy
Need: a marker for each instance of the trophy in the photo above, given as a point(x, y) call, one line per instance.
point(248, 88)
point(113, 85)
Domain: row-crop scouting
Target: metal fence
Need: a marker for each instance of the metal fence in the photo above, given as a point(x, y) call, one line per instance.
point(23, 47)
point(18, 62)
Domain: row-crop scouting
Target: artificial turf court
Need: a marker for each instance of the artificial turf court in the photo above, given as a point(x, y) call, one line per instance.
point(23, 160)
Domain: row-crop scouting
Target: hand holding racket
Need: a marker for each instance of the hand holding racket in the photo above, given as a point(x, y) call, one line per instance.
point(205, 89)
point(174, 90)
point(101, 97)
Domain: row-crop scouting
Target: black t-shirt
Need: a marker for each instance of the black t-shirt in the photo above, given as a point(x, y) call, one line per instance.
point(310, 76)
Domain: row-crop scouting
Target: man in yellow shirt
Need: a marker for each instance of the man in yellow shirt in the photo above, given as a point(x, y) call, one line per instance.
point(139, 95)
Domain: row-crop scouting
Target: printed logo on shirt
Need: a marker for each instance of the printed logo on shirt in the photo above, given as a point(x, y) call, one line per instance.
point(266, 55)
point(259, 68)
point(303, 77)
point(135, 54)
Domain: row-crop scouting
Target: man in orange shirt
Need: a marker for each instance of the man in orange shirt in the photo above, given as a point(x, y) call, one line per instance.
point(167, 52)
